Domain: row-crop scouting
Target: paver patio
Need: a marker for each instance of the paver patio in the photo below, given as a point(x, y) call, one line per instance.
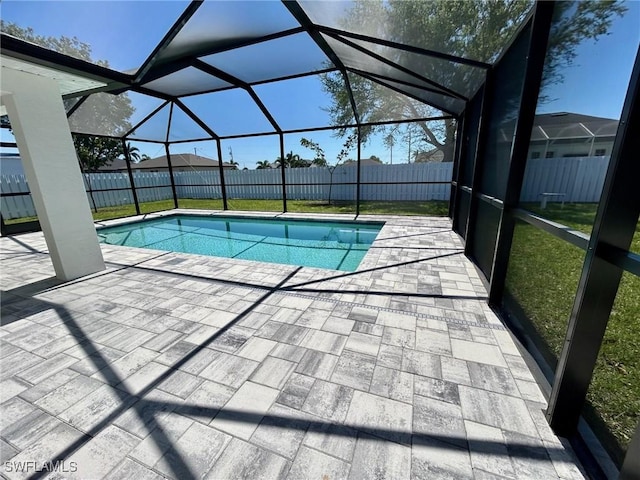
point(182, 366)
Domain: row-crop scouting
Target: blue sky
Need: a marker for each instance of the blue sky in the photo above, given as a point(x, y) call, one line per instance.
point(594, 85)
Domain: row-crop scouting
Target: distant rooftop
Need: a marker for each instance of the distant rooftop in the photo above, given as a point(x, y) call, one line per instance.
point(178, 160)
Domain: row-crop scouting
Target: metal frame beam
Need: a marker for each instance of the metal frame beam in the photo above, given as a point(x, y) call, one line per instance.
point(205, 67)
point(283, 175)
point(137, 125)
point(406, 47)
point(174, 66)
point(478, 163)
point(538, 40)
point(401, 82)
point(168, 38)
point(400, 68)
point(631, 467)
point(455, 177)
point(402, 92)
point(223, 186)
point(168, 154)
point(312, 30)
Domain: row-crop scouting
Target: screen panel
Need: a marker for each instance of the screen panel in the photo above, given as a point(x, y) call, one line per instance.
point(197, 175)
point(281, 57)
point(251, 184)
point(325, 180)
point(231, 112)
point(578, 113)
point(221, 25)
point(307, 104)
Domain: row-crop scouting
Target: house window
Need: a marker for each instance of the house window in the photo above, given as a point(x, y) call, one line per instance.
point(535, 155)
point(600, 152)
point(550, 154)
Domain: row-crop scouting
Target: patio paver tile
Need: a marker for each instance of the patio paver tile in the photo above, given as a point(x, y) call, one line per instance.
point(377, 459)
point(336, 440)
point(244, 410)
point(354, 370)
point(244, 460)
point(313, 464)
point(355, 377)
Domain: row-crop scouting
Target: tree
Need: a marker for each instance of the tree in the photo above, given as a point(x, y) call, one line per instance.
point(234, 164)
point(291, 160)
point(131, 152)
point(263, 164)
point(389, 142)
point(95, 152)
point(474, 29)
point(102, 113)
point(320, 159)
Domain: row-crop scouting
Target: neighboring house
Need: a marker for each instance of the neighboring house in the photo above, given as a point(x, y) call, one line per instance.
point(180, 162)
point(365, 162)
point(565, 134)
point(555, 135)
point(432, 156)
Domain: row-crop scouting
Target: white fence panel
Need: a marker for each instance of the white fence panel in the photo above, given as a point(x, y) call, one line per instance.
point(16, 206)
point(198, 184)
point(381, 180)
point(578, 179)
point(254, 184)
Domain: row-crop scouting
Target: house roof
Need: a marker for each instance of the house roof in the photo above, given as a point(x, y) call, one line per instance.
point(566, 125)
point(363, 161)
point(178, 160)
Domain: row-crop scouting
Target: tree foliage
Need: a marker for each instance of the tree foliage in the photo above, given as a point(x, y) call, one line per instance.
point(291, 160)
point(133, 153)
point(102, 113)
point(262, 164)
point(474, 29)
point(320, 159)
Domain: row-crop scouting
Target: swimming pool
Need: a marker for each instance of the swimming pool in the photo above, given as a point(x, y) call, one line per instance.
point(309, 243)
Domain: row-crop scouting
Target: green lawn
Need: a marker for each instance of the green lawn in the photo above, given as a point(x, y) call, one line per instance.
point(543, 277)
point(430, 208)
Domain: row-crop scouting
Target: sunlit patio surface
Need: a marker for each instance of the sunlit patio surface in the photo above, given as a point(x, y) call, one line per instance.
point(183, 366)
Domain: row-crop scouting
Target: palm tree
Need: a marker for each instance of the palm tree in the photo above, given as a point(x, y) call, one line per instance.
point(263, 164)
point(234, 164)
point(131, 152)
point(390, 141)
point(291, 160)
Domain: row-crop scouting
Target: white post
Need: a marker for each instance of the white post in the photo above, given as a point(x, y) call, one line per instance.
point(41, 129)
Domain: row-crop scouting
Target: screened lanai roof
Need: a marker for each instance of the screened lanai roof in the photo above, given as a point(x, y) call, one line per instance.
point(188, 71)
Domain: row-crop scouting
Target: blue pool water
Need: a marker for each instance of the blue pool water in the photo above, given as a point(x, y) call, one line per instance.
point(334, 245)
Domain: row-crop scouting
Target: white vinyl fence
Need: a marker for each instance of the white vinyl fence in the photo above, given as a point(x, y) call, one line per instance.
point(579, 179)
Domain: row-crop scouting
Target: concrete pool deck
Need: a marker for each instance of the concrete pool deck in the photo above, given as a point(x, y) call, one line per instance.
point(182, 366)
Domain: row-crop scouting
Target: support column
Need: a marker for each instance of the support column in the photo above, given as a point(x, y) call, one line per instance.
point(41, 129)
